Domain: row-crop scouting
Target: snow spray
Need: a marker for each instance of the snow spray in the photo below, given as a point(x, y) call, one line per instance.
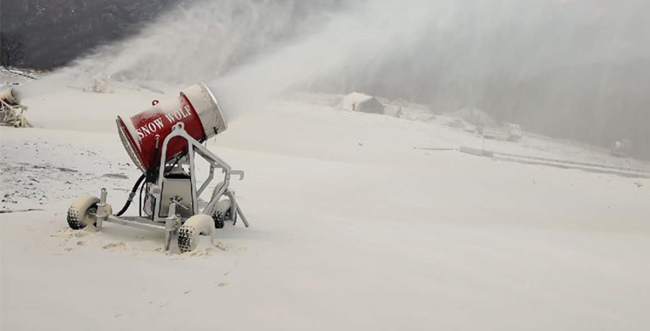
point(349, 40)
point(250, 51)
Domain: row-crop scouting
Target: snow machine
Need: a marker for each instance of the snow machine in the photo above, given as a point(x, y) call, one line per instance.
point(164, 142)
point(11, 111)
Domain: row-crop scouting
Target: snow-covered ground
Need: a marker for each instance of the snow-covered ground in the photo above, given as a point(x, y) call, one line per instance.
point(353, 227)
point(12, 77)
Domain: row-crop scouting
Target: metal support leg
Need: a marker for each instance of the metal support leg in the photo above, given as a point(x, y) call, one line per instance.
point(233, 205)
point(234, 208)
point(171, 226)
point(101, 210)
point(243, 218)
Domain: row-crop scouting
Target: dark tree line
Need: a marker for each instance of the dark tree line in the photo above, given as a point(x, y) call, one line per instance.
point(12, 50)
point(54, 33)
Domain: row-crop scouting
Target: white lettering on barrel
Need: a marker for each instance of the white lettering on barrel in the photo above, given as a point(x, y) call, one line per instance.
point(178, 114)
point(150, 128)
point(157, 124)
point(145, 130)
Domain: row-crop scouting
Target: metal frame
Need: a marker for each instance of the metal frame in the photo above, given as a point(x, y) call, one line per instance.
point(173, 221)
point(12, 114)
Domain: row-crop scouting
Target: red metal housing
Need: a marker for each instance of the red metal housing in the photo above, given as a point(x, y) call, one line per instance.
point(196, 108)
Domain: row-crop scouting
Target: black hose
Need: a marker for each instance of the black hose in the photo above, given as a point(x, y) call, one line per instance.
point(131, 195)
point(178, 158)
point(152, 172)
point(140, 199)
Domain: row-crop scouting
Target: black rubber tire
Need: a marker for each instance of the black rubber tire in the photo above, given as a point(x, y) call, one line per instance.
point(219, 222)
point(190, 232)
point(78, 213)
point(222, 213)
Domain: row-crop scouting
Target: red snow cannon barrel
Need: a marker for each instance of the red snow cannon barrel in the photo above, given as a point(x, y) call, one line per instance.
point(10, 97)
point(196, 108)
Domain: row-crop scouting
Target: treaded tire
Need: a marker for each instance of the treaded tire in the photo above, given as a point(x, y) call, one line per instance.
point(78, 213)
point(222, 213)
point(190, 232)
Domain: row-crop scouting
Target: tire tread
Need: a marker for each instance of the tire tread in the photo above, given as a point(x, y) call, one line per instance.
point(77, 211)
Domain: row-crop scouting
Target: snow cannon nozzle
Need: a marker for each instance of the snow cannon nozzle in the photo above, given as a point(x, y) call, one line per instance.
point(196, 110)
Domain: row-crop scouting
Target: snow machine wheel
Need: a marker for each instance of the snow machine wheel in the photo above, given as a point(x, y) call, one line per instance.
point(79, 213)
point(222, 213)
point(190, 232)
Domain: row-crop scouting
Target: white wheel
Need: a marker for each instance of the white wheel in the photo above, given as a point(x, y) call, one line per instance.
point(79, 213)
point(195, 226)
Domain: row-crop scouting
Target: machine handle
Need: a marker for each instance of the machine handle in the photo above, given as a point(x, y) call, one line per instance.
point(239, 173)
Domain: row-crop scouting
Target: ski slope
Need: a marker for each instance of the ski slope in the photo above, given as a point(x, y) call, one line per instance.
point(352, 228)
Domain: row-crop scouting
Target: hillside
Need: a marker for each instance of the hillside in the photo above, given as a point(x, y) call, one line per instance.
point(57, 32)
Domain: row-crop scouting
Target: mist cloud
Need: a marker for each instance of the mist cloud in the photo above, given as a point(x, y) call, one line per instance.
point(570, 68)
